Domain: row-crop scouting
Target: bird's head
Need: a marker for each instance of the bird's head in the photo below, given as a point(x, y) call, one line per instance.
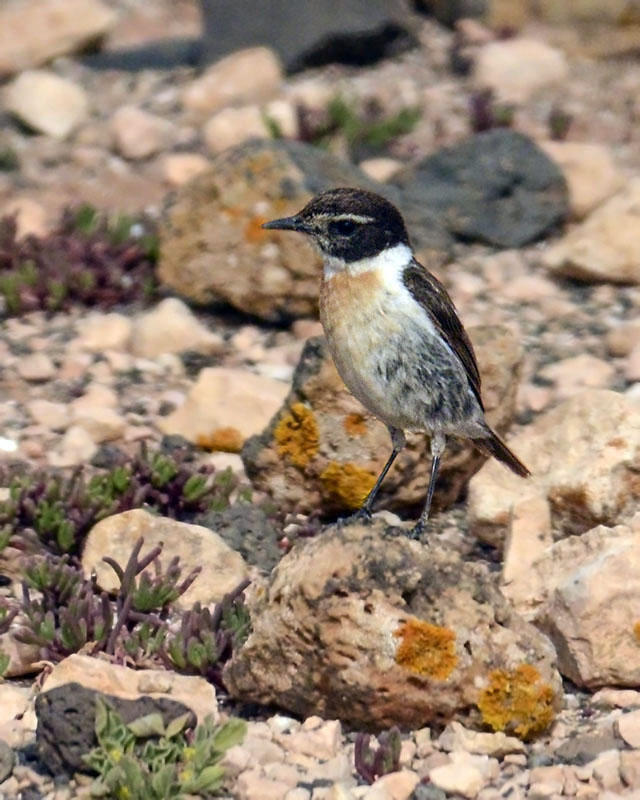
point(347, 226)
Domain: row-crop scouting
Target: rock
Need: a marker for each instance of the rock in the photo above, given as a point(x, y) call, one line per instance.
point(76, 447)
point(398, 785)
point(354, 31)
point(584, 455)
point(247, 530)
point(380, 169)
point(324, 450)
point(616, 698)
point(390, 632)
point(171, 327)
point(246, 76)
point(591, 173)
point(628, 727)
point(622, 339)
point(54, 416)
point(233, 126)
point(103, 424)
point(36, 367)
point(578, 372)
point(211, 228)
point(48, 28)
point(179, 168)
point(31, 217)
point(516, 69)
point(137, 134)
point(528, 536)
point(225, 407)
point(47, 103)
point(457, 737)
point(604, 247)
point(99, 332)
point(66, 721)
point(283, 114)
point(14, 701)
point(222, 568)
point(457, 779)
point(583, 591)
point(632, 366)
point(496, 187)
point(7, 760)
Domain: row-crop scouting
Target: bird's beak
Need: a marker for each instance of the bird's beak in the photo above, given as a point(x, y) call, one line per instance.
point(288, 224)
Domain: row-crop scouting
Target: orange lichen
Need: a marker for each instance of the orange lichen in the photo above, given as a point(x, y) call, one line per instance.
point(355, 424)
point(636, 630)
point(297, 435)
point(517, 701)
point(226, 440)
point(348, 483)
point(429, 650)
point(254, 231)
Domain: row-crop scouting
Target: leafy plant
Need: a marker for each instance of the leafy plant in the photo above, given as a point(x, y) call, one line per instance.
point(207, 638)
point(486, 113)
point(90, 258)
point(59, 510)
point(371, 763)
point(145, 760)
point(364, 126)
point(7, 615)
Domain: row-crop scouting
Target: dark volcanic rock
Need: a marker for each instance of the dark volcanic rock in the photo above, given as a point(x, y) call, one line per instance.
point(66, 721)
point(496, 187)
point(248, 530)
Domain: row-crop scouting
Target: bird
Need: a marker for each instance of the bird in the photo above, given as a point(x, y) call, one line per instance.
point(393, 332)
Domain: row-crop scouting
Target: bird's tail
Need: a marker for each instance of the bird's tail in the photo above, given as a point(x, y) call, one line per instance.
point(492, 445)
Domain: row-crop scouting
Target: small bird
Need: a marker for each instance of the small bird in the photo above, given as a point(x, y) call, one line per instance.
point(393, 331)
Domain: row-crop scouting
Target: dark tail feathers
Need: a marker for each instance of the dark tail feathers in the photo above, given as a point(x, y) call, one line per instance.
point(494, 446)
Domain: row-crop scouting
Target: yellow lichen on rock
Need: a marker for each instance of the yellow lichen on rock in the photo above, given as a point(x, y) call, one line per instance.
point(636, 631)
point(517, 701)
point(225, 440)
point(429, 650)
point(297, 435)
point(348, 483)
point(355, 424)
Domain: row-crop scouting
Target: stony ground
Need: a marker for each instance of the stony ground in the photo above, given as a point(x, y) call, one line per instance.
point(76, 383)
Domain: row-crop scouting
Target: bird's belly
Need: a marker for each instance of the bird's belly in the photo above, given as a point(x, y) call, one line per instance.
point(391, 359)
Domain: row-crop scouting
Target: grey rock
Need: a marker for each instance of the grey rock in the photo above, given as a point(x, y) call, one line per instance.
point(427, 791)
point(66, 721)
point(584, 747)
point(248, 530)
point(496, 187)
point(7, 760)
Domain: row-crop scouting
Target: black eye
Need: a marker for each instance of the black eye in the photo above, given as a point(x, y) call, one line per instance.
point(342, 227)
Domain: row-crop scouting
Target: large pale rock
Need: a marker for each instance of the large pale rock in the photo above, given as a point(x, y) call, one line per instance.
point(585, 458)
point(584, 591)
point(99, 332)
point(225, 407)
point(591, 173)
point(246, 76)
point(211, 230)
point(35, 31)
point(518, 68)
point(96, 673)
point(222, 568)
point(368, 626)
point(171, 327)
point(47, 103)
point(605, 246)
point(324, 450)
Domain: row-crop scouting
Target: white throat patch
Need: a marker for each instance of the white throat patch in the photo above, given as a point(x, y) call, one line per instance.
point(391, 262)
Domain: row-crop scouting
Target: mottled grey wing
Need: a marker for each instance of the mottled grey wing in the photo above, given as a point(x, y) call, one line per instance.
point(434, 298)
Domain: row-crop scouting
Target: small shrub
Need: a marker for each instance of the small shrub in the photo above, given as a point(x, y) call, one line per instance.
point(371, 763)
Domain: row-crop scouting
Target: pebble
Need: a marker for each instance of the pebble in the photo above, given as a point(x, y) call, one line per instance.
point(103, 424)
point(179, 168)
point(171, 327)
point(54, 416)
point(99, 332)
point(628, 727)
point(137, 134)
point(76, 447)
point(461, 779)
point(36, 367)
point(232, 126)
point(31, 217)
point(47, 103)
point(623, 338)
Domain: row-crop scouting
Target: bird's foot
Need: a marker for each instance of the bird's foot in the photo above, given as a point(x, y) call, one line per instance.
point(416, 533)
point(362, 515)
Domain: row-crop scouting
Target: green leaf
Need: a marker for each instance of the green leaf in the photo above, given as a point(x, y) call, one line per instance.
point(230, 734)
point(177, 725)
point(209, 779)
point(149, 725)
point(164, 781)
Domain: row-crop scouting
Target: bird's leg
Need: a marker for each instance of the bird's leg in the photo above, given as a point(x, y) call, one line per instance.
point(438, 441)
point(398, 441)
